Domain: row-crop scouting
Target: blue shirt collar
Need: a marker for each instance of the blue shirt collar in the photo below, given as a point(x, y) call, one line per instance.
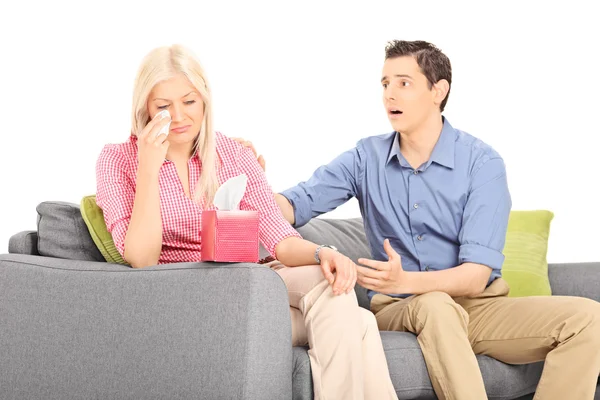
point(443, 152)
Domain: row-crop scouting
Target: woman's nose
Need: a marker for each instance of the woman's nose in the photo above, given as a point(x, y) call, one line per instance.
point(177, 112)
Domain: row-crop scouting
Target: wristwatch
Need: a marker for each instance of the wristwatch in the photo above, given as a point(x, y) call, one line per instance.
point(317, 259)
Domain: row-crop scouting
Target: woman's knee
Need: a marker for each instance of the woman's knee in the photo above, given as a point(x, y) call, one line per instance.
point(368, 319)
point(301, 279)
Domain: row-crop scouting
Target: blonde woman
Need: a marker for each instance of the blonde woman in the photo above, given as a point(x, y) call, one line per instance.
point(154, 187)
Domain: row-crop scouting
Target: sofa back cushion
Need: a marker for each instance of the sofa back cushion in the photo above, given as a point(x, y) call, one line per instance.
point(94, 220)
point(63, 234)
point(347, 235)
point(525, 267)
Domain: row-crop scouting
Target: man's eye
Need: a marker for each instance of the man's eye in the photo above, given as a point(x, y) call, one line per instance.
point(162, 107)
point(385, 85)
point(405, 83)
point(190, 102)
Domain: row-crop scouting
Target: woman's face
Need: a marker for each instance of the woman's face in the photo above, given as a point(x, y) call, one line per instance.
point(180, 98)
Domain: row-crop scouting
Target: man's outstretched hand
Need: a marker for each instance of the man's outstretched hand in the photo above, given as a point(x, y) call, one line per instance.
point(386, 277)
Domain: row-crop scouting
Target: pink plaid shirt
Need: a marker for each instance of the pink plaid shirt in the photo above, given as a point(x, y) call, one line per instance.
point(116, 172)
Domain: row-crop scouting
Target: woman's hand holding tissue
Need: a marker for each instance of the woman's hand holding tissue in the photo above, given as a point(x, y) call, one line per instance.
point(152, 146)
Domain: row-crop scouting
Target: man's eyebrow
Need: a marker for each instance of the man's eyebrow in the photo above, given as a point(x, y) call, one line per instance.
point(158, 98)
point(385, 78)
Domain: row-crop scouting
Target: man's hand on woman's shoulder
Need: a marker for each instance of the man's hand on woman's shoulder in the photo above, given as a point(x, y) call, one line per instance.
point(247, 143)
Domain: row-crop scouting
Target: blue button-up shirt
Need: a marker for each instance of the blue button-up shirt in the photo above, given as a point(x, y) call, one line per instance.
point(452, 209)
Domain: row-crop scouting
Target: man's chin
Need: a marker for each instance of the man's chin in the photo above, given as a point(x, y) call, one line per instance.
point(398, 126)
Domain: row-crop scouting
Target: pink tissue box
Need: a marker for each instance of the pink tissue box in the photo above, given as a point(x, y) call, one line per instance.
point(230, 236)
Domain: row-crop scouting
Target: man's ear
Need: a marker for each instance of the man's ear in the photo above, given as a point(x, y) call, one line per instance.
point(440, 91)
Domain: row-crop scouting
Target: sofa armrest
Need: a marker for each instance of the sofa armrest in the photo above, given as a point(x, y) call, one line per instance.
point(23, 243)
point(575, 279)
point(73, 329)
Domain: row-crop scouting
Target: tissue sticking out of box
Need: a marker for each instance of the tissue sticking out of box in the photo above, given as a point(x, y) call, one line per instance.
point(230, 193)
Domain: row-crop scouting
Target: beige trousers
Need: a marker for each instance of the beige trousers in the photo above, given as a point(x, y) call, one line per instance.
point(563, 331)
point(345, 350)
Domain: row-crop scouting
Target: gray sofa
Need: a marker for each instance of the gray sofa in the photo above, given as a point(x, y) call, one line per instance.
point(76, 327)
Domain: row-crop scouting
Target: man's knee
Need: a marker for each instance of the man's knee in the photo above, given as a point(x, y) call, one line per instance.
point(437, 306)
point(583, 319)
point(592, 309)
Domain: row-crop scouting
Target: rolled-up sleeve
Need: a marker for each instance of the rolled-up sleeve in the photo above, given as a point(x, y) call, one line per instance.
point(115, 194)
point(485, 217)
point(330, 186)
point(273, 227)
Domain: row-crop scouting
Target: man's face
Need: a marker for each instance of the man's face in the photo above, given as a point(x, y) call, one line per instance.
point(407, 98)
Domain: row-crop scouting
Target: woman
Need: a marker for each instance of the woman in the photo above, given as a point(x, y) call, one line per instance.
point(153, 188)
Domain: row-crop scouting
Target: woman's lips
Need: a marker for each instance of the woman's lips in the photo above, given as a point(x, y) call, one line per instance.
point(180, 129)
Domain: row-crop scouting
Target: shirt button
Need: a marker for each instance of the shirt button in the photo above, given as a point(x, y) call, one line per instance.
point(415, 172)
point(419, 237)
point(427, 268)
point(415, 205)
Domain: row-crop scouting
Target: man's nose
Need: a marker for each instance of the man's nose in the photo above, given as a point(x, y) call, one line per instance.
point(389, 94)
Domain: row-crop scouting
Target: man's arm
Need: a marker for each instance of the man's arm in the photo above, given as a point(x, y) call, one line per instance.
point(330, 186)
point(389, 277)
point(467, 279)
point(482, 237)
point(286, 208)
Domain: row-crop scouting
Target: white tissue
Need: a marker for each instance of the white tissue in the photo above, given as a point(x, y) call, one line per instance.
point(230, 193)
point(165, 129)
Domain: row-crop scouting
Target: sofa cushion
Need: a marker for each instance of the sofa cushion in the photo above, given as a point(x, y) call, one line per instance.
point(94, 220)
point(525, 267)
point(411, 379)
point(302, 385)
point(63, 234)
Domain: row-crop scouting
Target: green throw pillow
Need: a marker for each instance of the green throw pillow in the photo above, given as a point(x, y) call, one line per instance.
point(525, 267)
point(94, 219)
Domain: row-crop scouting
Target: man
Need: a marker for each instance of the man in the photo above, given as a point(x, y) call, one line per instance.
point(435, 204)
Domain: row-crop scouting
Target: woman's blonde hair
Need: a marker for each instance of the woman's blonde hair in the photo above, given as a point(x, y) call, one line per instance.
point(164, 63)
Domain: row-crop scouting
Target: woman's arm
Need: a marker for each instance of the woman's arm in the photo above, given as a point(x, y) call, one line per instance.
point(284, 242)
point(143, 242)
point(132, 210)
point(132, 215)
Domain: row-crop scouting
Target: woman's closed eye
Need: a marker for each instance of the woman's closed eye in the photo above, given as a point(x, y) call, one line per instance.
point(187, 103)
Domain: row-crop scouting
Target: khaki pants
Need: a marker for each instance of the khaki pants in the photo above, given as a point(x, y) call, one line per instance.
point(345, 349)
point(564, 331)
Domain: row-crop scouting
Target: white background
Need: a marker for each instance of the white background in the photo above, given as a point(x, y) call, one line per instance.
point(301, 80)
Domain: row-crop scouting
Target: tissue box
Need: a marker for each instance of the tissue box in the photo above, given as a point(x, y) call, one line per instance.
point(230, 236)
